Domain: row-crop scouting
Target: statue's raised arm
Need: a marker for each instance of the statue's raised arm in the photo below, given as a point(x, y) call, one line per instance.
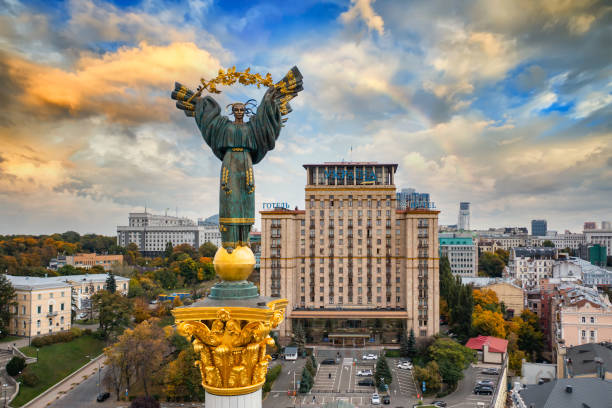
point(239, 144)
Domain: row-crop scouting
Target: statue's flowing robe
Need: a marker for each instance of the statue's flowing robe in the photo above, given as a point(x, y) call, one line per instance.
point(239, 146)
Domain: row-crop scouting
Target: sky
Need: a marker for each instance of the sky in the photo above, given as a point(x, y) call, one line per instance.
point(504, 104)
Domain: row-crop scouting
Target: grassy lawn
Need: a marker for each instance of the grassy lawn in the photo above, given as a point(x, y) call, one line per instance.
point(55, 362)
point(8, 339)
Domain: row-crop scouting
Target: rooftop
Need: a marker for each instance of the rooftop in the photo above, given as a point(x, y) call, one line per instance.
point(585, 392)
point(584, 358)
point(495, 344)
point(456, 241)
point(52, 282)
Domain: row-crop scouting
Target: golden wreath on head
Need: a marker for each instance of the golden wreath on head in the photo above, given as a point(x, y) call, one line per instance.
point(284, 90)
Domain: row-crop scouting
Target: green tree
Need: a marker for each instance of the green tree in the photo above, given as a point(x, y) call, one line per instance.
point(169, 249)
point(430, 374)
point(208, 250)
point(412, 349)
point(166, 278)
point(306, 381)
point(114, 311)
point(182, 378)
point(111, 283)
point(69, 270)
point(491, 265)
point(382, 374)
point(299, 337)
point(7, 304)
point(548, 243)
point(452, 358)
point(15, 365)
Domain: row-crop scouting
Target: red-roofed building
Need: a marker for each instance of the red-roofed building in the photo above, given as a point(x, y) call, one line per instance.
point(493, 348)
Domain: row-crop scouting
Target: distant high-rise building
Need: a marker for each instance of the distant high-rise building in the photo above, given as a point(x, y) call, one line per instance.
point(602, 236)
point(589, 225)
point(464, 217)
point(352, 258)
point(539, 228)
point(408, 198)
point(605, 225)
point(152, 233)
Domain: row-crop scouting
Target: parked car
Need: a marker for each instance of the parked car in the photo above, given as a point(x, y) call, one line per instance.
point(367, 382)
point(441, 404)
point(490, 383)
point(103, 396)
point(375, 399)
point(369, 357)
point(490, 371)
point(386, 399)
point(405, 365)
point(328, 361)
point(483, 389)
point(274, 356)
point(364, 373)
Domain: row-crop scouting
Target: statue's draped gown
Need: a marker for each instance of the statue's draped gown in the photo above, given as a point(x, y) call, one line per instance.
point(239, 146)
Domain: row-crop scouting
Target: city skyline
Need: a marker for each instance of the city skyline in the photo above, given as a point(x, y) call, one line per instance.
point(504, 105)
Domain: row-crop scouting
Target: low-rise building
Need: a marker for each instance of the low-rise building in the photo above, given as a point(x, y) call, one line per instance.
point(601, 236)
point(462, 255)
point(583, 315)
point(493, 349)
point(567, 392)
point(43, 306)
point(592, 360)
point(512, 295)
point(562, 241)
point(86, 261)
point(530, 265)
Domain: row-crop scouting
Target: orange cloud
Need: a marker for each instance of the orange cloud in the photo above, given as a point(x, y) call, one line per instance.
point(123, 85)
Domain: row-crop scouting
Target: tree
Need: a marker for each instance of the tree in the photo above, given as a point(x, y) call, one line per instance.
point(298, 335)
point(140, 352)
point(430, 374)
point(111, 284)
point(114, 311)
point(15, 365)
point(208, 250)
point(488, 323)
point(306, 381)
point(486, 298)
point(182, 378)
point(169, 249)
point(144, 402)
point(166, 278)
point(491, 265)
point(548, 243)
point(69, 270)
point(140, 310)
point(452, 358)
point(412, 350)
point(7, 304)
point(382, 374)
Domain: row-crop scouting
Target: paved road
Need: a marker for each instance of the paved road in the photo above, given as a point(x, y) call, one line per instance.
point(84, 395)
point(464, 396)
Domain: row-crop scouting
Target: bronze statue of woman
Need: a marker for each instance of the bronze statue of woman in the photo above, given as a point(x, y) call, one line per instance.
point(240, 145)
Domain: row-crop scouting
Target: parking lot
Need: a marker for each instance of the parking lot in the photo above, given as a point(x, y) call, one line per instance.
point(403, 382)
point(464, 396)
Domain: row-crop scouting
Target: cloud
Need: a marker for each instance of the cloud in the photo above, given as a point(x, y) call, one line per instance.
point(363, 10)
point(123, 85)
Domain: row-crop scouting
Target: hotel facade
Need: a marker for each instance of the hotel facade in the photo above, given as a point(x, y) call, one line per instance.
point(354, 268)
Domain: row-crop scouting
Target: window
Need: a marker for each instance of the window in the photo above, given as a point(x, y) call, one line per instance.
point(39, 296)
point(50, 308)
point(592, 333)
point(592, 320)
point(583, 333)
point(39, 309)
point(583, 320)
point(23, 310)
point(62, 307)
point(38, 324)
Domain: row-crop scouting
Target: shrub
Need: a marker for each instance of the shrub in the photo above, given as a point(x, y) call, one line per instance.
point(273, 374)
point(62, 337)
point(87, 332)
point(76, 332)
point(29, 378)
point(392, 353)
point(99, 334)
point(144, 402)
point(15, 365)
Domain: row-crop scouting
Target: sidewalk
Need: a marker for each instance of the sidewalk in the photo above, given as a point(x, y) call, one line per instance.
point(67, 384)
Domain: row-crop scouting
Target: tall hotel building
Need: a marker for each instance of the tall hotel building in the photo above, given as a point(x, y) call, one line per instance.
point(354, 268)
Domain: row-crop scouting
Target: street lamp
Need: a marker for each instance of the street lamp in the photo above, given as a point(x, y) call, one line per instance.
point(4, 393)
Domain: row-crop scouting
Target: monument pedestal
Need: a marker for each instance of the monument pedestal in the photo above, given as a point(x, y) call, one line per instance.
point(252, 400)
point(230, 332)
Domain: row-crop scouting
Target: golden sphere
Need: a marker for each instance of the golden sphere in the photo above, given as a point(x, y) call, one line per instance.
point(236, 266)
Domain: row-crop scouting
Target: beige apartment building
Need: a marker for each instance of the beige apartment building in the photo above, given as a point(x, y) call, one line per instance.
point(354, 268)
point(43, 306)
